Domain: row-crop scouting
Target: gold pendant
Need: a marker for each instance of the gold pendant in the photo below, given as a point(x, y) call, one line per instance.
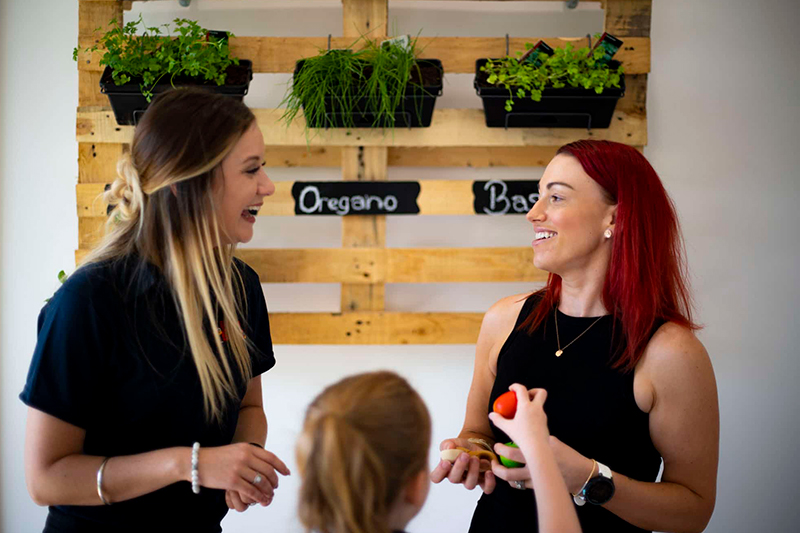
point(559, 352)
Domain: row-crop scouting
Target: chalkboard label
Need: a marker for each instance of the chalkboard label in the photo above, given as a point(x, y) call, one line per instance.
point(496, 197)
point(344, 198)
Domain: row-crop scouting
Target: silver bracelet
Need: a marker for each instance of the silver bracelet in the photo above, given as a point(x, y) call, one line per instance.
point(100, 481)
point(195, 474)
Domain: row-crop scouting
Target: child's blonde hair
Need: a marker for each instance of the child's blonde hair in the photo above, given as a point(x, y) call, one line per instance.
point(363, 440)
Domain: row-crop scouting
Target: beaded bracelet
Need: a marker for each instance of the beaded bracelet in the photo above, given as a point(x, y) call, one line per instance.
point(195, 462)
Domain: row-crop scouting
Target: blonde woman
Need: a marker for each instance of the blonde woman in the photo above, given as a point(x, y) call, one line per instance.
point(363, 456)
point(144, 392)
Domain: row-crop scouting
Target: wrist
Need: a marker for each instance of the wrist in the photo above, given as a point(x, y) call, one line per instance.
point(180, 464)
point(587, 473)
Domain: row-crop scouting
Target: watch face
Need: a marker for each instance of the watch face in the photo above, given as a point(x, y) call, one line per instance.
point(599, 490)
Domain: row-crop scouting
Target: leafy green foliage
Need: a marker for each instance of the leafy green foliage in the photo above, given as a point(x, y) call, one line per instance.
point(147, 58)
point(62, 277)
point(579, 68)
point(376, 74)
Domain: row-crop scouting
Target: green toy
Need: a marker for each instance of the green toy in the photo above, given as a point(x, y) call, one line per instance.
point(508, 463)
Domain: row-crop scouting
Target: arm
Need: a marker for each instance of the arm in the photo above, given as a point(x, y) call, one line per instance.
point(252, 424)
point(528, 428)
point(684, 426)
point(58, 473)
point(496, 327)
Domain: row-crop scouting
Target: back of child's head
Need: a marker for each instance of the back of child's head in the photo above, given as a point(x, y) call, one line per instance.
point(364, 438)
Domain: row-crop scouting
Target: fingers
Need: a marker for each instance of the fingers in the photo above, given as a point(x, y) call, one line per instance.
point(459, 468)
point(271, 459)
point(261, 492)
point(488, 483)
point(515, 454)
point(473, 471)
point(499, 421)
point(539, 396)
point(441, 471)
point(234, 501)
point(521, 392)
point(266, 471)
point(510, 474)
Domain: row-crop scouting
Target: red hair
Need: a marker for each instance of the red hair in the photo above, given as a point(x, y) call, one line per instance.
point(646, 281)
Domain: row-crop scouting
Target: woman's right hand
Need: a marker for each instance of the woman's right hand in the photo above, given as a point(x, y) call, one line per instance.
point(465, 470)
point(234, 468)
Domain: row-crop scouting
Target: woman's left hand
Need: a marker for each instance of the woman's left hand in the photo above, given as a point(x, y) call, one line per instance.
point(574, 467)
point(511, 475)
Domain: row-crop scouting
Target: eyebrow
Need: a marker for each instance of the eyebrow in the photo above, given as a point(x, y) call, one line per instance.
point(257, 158)
point(553, 183)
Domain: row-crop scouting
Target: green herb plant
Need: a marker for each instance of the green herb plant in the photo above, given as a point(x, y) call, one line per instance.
point(157, 53)
point(580, 68)
point(372, 79)
point(62, 277)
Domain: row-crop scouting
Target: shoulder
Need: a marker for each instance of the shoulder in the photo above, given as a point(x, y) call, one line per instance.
point(249, 276)
point(89, 283)
point(499, 320)
point(675, 359)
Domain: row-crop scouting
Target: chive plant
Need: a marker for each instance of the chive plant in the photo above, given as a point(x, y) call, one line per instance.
point(371, 81)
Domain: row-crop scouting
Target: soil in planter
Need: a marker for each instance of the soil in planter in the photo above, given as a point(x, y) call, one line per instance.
point(236, 75)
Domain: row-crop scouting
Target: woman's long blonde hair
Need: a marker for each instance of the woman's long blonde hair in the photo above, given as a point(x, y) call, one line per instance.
point(363, 440)
point(164, 214)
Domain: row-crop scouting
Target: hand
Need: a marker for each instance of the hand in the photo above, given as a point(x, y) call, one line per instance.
point(529, 431)
point(528, 428)
point(234, 468)
point(575, 468)
point(239, 502)
point(465, 470)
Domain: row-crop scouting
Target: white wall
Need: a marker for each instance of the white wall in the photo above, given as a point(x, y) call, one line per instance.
point(722, 106)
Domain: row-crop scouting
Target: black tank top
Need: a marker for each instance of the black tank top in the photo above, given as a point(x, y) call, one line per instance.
point(590, 407)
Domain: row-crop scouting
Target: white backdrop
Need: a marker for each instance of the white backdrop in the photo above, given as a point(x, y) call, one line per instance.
point(722, 111)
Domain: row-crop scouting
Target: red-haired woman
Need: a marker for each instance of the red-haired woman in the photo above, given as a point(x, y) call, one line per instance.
point(611, 340)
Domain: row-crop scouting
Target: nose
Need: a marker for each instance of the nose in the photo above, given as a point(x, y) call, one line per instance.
point(265, 185)
point(536, 214)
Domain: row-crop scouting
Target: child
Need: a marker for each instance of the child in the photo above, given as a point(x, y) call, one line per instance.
point(529, 430)
point(363, 456)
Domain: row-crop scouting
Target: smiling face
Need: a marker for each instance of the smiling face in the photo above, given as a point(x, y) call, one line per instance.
point(569, 219)
point(240, 187)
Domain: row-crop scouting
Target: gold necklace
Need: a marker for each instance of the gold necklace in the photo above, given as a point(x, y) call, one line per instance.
point(558, 339)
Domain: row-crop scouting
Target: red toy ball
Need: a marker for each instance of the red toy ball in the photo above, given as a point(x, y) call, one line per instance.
point(506, 404)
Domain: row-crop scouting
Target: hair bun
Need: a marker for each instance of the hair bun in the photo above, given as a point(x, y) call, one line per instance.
point(126, 192)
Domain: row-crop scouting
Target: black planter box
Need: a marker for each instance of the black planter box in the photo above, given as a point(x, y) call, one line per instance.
point(415, 110)
point(129, 103)
point(568, 107)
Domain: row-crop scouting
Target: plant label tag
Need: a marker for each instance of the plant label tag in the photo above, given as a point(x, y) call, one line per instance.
point(403, 42)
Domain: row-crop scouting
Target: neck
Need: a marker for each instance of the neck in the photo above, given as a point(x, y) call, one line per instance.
point(582, 292)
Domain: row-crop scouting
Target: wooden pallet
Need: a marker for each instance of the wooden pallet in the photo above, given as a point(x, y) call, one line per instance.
point(457, 138)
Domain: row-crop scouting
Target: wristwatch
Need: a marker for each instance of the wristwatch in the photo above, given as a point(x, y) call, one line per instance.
point(597, 490)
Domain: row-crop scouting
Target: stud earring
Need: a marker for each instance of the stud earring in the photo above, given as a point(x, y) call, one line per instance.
point(607, 234)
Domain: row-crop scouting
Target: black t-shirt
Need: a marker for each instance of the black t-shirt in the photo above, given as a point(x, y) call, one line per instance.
point(111, 358)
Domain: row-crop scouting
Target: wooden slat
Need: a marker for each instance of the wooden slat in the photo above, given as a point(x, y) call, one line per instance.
point(436, 197)
point(303, 156)
point(450, 128)
point(364, 266)
point(97, 163)
point(628, 19)
point(91, 15)
point(458, 54)
point(634, 103)
point(375, 328)
point(473, 157)
point(364, 164)
point(90, 231)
